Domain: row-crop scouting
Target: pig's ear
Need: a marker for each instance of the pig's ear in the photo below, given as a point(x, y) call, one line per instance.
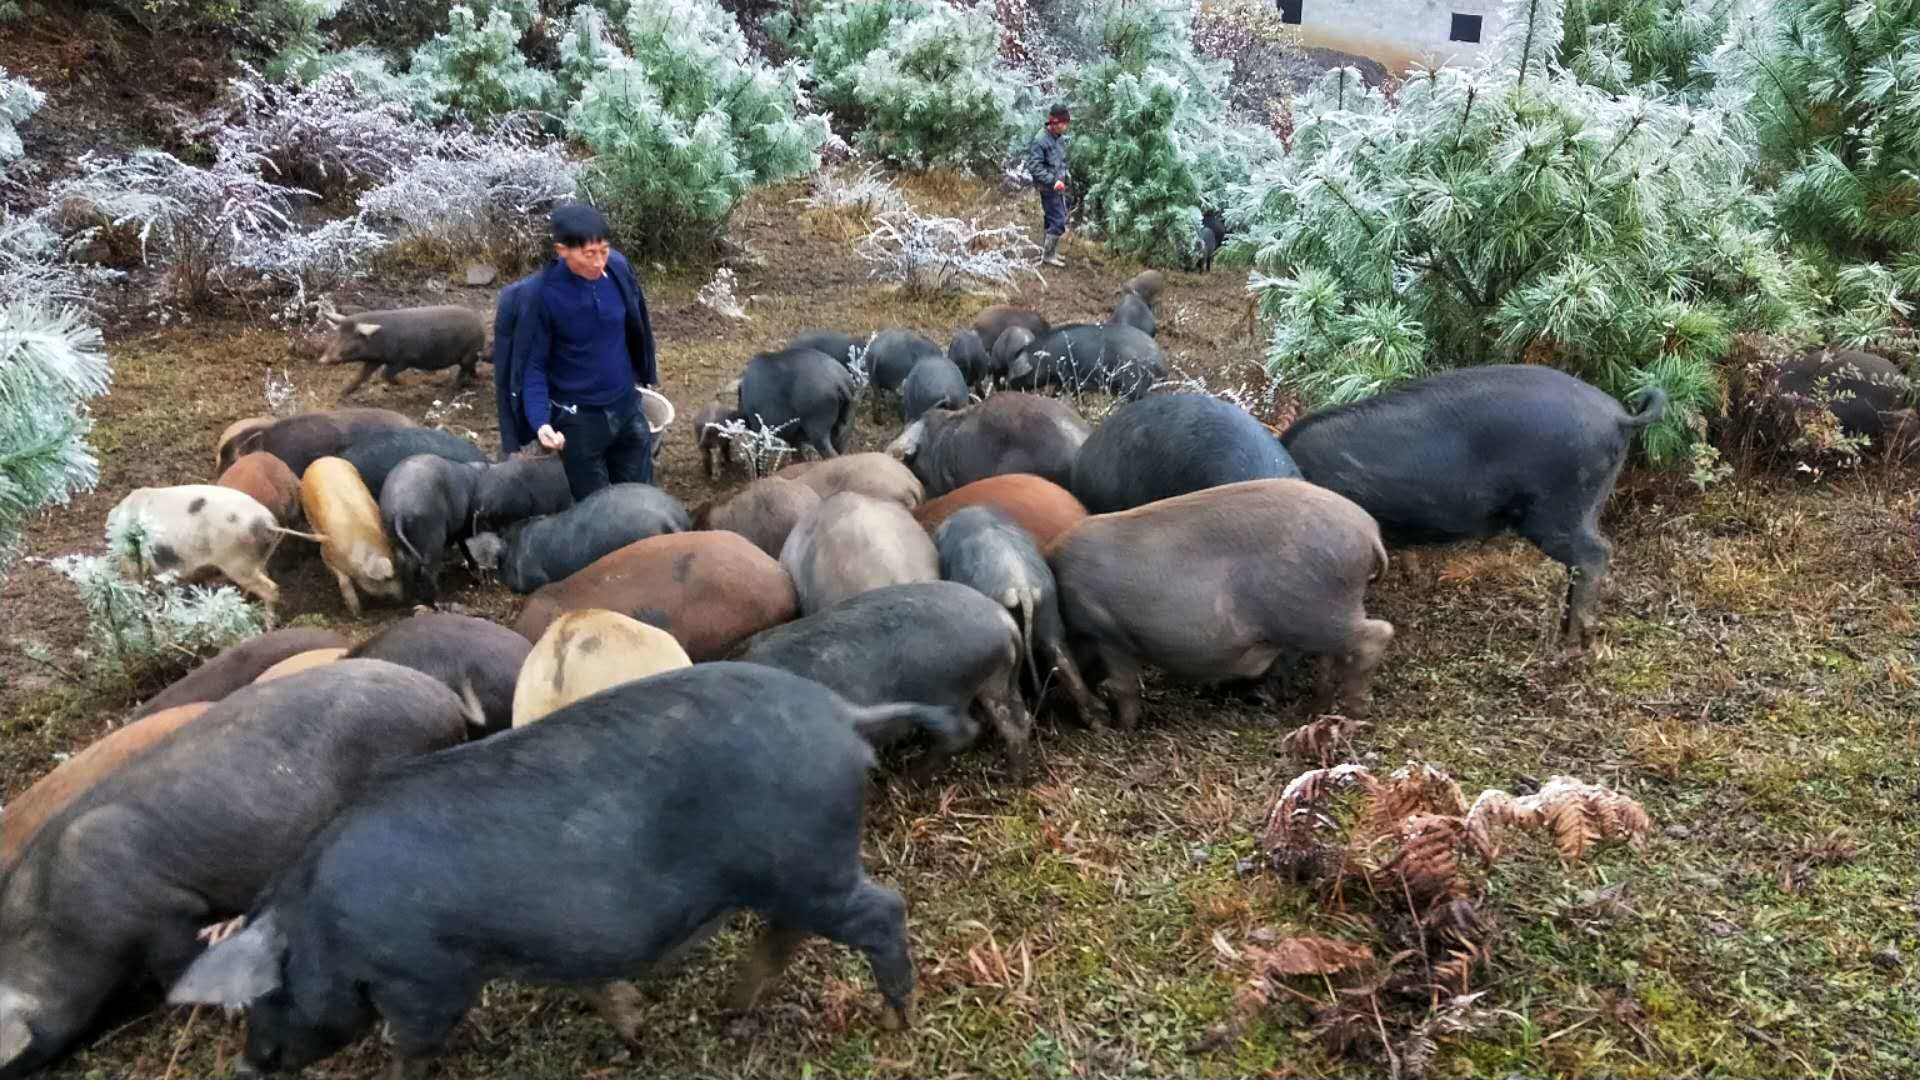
point(367, 329)
point(15, 1035)
point(237, 971)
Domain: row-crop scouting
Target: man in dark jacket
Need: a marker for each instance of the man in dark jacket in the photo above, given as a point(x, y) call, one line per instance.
point(581, 340)
point(514, 432)
point(1047, 165)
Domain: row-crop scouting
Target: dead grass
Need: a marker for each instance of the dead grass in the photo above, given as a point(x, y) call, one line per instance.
point(1756, 692)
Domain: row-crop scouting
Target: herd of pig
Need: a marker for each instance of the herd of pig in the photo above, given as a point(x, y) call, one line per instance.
point(680, 723)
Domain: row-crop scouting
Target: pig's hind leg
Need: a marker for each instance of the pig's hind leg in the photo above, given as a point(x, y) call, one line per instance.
point(1586, 554)
point(870, 917)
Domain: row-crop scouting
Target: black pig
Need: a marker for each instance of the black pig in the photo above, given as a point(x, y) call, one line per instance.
point(378, 455)
point(120, 880)
point(543, 549)
point(802, 395)
point(983, 549)
point(1170, 444)
point(577, 850)
point(427, 338)
point(474, 658)
point(934, 383)
point(426, 505)
point(934, 642)
point(1479, 451)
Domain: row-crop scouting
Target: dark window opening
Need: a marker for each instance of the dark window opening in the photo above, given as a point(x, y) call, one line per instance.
point(1465, 28)
point(1290, 11)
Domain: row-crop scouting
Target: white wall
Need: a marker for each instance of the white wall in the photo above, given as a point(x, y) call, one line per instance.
point(1398, 33)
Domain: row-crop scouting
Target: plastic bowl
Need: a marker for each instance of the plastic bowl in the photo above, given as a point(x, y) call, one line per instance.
point(658, 409)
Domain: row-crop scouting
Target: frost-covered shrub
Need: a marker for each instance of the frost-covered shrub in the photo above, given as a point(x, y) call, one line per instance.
point(686, 127)
point(325, 136)
point(934, 93)
point(1833, 89)
point(1512, 212)
point(920, 82)
point(52, 362)
point(718, 295)
point(1153, 142)
point(371, 75)
point(867, 192)
point(215, 229)
point(291, 28)
point(35, 261)
point(1617, 44)
point(927, 255)
point(476, 68)
point(471, 194)
point(18, 100)
point(137, 628)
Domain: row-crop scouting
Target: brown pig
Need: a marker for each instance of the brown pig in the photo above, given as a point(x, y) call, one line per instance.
point(223, 457)
point(874, 475)
point(341, 509)
point(851, 543)
point(710, 590)
point(100, 759)
point(299, 439)
point(269, 481)
point(764, 511)
point(1042, 507)
point(237, 666)
point(299, 662)
point(583, 653)
point(1222, 583)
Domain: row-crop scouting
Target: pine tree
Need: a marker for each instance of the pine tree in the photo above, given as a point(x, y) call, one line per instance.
point(1834, 90)
point(477, 68)
point(51, 363)
point(919, 82)
point(1153, 139)
point(1511, 212)
point(1645, 44)
point(688, 124)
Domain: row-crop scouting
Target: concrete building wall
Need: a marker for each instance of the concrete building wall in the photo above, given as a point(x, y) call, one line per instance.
point(1397, 33)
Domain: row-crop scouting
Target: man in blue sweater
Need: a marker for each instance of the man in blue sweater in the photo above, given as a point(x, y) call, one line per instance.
point(581, 340)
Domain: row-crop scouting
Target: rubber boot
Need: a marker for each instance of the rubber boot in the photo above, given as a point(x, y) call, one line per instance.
point(1051, 254)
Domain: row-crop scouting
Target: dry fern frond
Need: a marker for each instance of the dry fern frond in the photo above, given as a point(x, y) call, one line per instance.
point(1411, 790)
point(1491, 812)
point(1581, 815)
point(1317, 741)
point(1310, 955)
point(1296, 814)
point(1426, 858)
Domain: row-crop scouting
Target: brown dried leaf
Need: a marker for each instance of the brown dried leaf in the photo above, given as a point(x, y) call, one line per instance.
point(1310, 955)
point(1295, 815)
point(1580, 815)
point(1491, 812)
point(1426, 858)
point(1318, 740)
point(1412, 789)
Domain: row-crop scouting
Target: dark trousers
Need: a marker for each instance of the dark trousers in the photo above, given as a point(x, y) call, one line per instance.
point(605, 446)
point(1053, 209)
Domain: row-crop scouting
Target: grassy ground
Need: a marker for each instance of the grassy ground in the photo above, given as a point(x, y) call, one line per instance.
point(1756, 690)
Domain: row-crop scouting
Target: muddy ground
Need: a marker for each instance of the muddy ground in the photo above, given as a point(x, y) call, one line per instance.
point(1755, 689)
